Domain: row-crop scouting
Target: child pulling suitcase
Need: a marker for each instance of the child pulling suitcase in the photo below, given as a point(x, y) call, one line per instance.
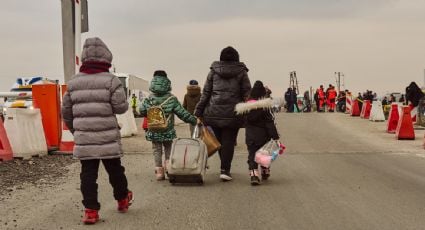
point(160, 108)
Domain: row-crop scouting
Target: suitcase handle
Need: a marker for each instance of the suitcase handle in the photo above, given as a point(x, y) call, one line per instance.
point(196, 132)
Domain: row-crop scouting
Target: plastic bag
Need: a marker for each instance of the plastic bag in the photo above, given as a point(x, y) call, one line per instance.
point(269, 153)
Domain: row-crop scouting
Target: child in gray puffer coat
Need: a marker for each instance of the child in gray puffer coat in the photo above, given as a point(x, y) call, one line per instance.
point(89, 107)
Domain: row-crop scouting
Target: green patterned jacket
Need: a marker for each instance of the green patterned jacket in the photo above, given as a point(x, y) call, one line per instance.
point(161, 87)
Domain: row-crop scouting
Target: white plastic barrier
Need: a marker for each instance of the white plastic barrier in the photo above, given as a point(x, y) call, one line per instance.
point(377, 113)
point(25, 131)
point(127, 123)
point(400, 107)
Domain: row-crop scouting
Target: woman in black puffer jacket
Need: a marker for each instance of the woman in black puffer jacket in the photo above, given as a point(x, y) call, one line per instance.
point(227, 84)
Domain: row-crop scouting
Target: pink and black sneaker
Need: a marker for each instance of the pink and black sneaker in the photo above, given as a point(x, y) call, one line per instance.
point(265, 173)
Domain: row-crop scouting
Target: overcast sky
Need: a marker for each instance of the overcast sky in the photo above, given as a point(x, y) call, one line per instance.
point(377, 44)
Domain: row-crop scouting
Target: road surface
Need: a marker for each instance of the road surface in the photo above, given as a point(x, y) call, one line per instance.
point(339, 172)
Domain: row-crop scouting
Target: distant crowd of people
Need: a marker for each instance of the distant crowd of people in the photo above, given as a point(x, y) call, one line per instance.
point(326, 100)
point(330, 100)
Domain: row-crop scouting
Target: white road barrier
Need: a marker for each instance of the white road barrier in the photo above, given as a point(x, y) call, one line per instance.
point(377, 113)
point(127, 122)
point(25, 131)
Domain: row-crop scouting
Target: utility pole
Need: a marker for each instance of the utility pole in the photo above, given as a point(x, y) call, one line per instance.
point(293, 81)
point(68, 39)
point(338, 80)
point(74, 22)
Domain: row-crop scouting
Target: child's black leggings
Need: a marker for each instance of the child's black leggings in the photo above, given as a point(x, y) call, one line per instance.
point(252, 149)
point(88, 176)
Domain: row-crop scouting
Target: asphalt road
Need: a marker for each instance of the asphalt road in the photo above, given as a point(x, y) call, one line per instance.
point(338, 172)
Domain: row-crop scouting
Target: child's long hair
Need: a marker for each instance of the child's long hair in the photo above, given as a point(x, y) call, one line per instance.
point(258, 91)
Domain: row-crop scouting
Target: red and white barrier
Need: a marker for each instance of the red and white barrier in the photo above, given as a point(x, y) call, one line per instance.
point(25, 131)
point(5, 148)
point(67, 141)
point(366, 109)
point(405, 129)
point(413, 112)
point(393, 118)
point(348, 104)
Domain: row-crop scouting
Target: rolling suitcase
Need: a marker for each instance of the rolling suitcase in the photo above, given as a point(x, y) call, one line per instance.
point(188, 161)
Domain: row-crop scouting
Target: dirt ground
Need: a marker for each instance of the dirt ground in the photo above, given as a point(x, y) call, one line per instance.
point(38, 171)
point(46, 171)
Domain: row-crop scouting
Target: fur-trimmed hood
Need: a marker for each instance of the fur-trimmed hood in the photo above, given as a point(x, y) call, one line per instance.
point(246, 107)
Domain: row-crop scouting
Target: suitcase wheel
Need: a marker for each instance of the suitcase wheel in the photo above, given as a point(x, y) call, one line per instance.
point(200, 181)
point(172, 180)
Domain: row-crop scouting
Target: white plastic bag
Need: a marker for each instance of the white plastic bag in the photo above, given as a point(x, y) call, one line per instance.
point(269, 152)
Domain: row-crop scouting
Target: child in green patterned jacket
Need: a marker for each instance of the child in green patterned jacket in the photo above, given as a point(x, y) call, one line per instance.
point(162, 140)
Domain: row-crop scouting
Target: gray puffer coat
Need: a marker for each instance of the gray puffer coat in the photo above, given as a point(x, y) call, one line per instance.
point(90, 104)
point(227, 85)
point(88, 109)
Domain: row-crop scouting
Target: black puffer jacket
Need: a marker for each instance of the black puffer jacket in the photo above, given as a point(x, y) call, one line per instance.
point(227, 84)
point(260, 126)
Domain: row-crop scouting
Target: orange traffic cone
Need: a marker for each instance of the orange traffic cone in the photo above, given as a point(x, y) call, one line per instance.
point(393, 119)
point(5, 148)
point(363, 109)
point(405, 129)
point(355, 110)
point(366, 109)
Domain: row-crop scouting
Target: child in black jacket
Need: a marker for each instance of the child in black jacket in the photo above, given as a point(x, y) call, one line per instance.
point(260, 128)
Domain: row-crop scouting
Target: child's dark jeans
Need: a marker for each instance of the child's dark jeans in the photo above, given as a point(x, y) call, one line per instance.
point(117, 178)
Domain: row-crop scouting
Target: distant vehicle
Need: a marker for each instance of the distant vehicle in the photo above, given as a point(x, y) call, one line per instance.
point(134, 85)
point(20, 95)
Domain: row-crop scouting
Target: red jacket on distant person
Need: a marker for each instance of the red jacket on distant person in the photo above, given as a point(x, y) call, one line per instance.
point(332, 94)
point(321, 94)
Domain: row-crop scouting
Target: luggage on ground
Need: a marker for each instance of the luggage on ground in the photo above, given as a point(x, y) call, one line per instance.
point(188, 160)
